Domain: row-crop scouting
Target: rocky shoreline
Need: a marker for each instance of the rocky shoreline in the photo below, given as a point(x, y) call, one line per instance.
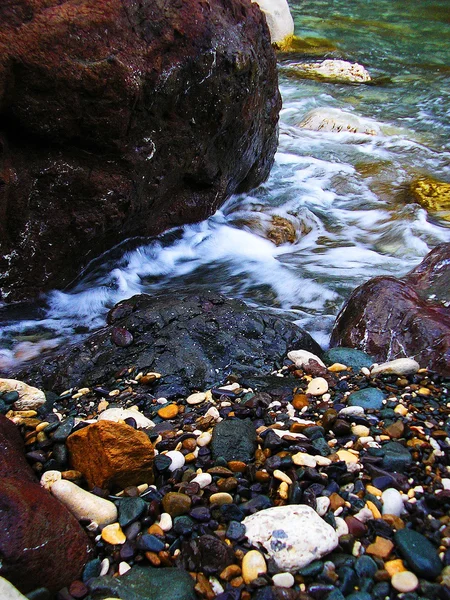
point(331, 483)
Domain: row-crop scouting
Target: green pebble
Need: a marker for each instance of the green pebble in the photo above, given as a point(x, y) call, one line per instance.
point(419, 553)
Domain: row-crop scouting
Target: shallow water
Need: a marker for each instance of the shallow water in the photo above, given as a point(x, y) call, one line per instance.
point(346, 194)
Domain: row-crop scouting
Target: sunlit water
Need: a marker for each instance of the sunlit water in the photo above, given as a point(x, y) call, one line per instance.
point(346, 194)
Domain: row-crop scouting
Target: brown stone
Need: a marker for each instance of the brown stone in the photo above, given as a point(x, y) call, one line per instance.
point(112, 455)
point(336, 501)
point(176, 504)
point(42, 544)
point(380, 548)
point(168, 411)
point(237, 466)
point(395, 430)
point(355, 527)
point(12, 453)
point(281, 231)
point(299, 401)
point(394, 521)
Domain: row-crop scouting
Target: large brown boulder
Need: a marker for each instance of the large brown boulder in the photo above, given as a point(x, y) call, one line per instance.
point(12, 453)
point(392, 318)
point(120, 119)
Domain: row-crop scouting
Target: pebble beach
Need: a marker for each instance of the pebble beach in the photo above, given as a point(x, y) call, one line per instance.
point(333, 483)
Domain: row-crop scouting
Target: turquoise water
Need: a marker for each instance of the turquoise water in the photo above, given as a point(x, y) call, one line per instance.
point(346, 195)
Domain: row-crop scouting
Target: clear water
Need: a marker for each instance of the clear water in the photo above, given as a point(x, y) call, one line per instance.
point(346, 194)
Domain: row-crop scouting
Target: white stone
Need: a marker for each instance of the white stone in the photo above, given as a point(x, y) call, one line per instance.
point(293, 535)
point(303, 459)
point(279, 20)
point(302, 357)
point(216, 586)
point(177, 459)
point(322, 461)
point(334, 120)
point(120, 414)
point(203, 479)
point(196, 398)
point(284, 580)
point(285, 432)
point(399, 366)
point(9, 592)
point(341, 527)
point(352, 411)
point(322, 505)
point(364, 515)
point(49, 477)
point(30, 398)
point(124, 567)
point(360, 430)
point(104, 567)
point(214, 413)
point(317, 386)
point(445, 483)
point(392, 502)
point(83, 504)
point(165, 521)
point(334, 70)
point(404, 582)
point(253, 565)
point(204, 438)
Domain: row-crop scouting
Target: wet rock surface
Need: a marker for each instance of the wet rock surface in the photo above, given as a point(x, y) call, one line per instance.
point(391, 318)
point(152, 121)
point(195, 340)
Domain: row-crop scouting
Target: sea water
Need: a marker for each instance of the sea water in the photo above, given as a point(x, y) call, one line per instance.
point(346, 195)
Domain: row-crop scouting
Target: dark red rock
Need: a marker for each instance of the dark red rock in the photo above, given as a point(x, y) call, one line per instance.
point(121, 337)
point(12, 453)
point(123, 119)
point(392, 318)
point(42, 544)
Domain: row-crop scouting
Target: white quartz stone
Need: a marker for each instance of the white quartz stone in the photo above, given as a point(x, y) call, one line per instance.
point(293, 535)
point(120, 414)
point(177, 459)
point(322, 505)
point(49, 477)
point(203, 479)
point(285, 580)
point(400, 366)
point(302, 357)
point(30, 398)
point(83, 504)
point(392, 502)
point(336, 121)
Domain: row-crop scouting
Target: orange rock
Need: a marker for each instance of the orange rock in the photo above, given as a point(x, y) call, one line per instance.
point(394, 566)
point(168, 411)
point(336, 501)
point(299, 401)
point(394, 521)
point(381, 547)
point(112, 455)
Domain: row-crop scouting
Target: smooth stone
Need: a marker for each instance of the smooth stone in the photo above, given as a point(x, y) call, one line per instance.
point(302, 357)
point(145, 583)
point(30, 398)
point(121, 337)
point(113, 534)
point(351, 357)
point(352, 411)
point(177, 459)
point(419, 553)
point(150, 543)
point(120, 414)
point(196, 398)
point(317, 386)
point(234, 440)
point(365, 566)
point(396, 457)
point(303, 459)
point(48, 479)
point(203, 480)
point(284, 580)
point(367, 398)
point(253, 565)
point(235, 531)
point(392, 502)
point(9, 592)
point(399, 366)
point(336, 121)
point(130, 509)
point(221, 498)
point(359, 596)
point(404, 582)
point(83, 504)
point(63, 431)
point(176, 504)
point(293, 535)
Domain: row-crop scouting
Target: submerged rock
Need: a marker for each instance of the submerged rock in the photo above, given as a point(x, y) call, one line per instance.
point(193, 340)
point(393, 318)
point(433, 195)
point(332, 70)
point(161, 113)
point(337, 121)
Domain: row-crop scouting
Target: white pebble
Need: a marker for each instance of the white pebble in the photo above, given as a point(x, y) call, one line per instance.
point(341, 527)
point(360, 430)
point(303, 459)
point(83, 504)
point(317, 386)
point(196, 398)
point(404, 582)
point(177, 458)
point(352, 411)
point(124, 567)
point(399, 366)
point(282, 476)
point(214, 413)
point(445, 483)
point(322, 505)
point(364, 515)
point(284, 580)
point(302, 357)
point(216, 585)
point(204, 439)
point(253, 565)
point(120, 414)
point(392, 502)
point(49, 477)
point(203, 479)
point(104, 567)
point(165, 521)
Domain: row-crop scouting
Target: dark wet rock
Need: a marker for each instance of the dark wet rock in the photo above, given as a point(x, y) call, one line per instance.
point(42, 544)
point(144, 583)
point(121, 337)
point(367, 398)
point(234, 440)
point(392, 318)
point(206, 553)
point(12, 453)
point(396, 457)
point(64, 430)
point(356, 359)
point(419, 553)
point(193, 340)
point(151, 543)
point(130, 509)
point(162, 113)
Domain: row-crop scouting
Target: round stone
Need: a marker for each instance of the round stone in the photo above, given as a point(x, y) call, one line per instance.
point(285, 580)
point(392, 502)
point(177, 459)
point(176, 504)
point(196, 398)
point(368, 398)
point(113, 534)
point(317, 386)
point(169, 411)
point(221, 498)
point(253, 565)
point(405, 581)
